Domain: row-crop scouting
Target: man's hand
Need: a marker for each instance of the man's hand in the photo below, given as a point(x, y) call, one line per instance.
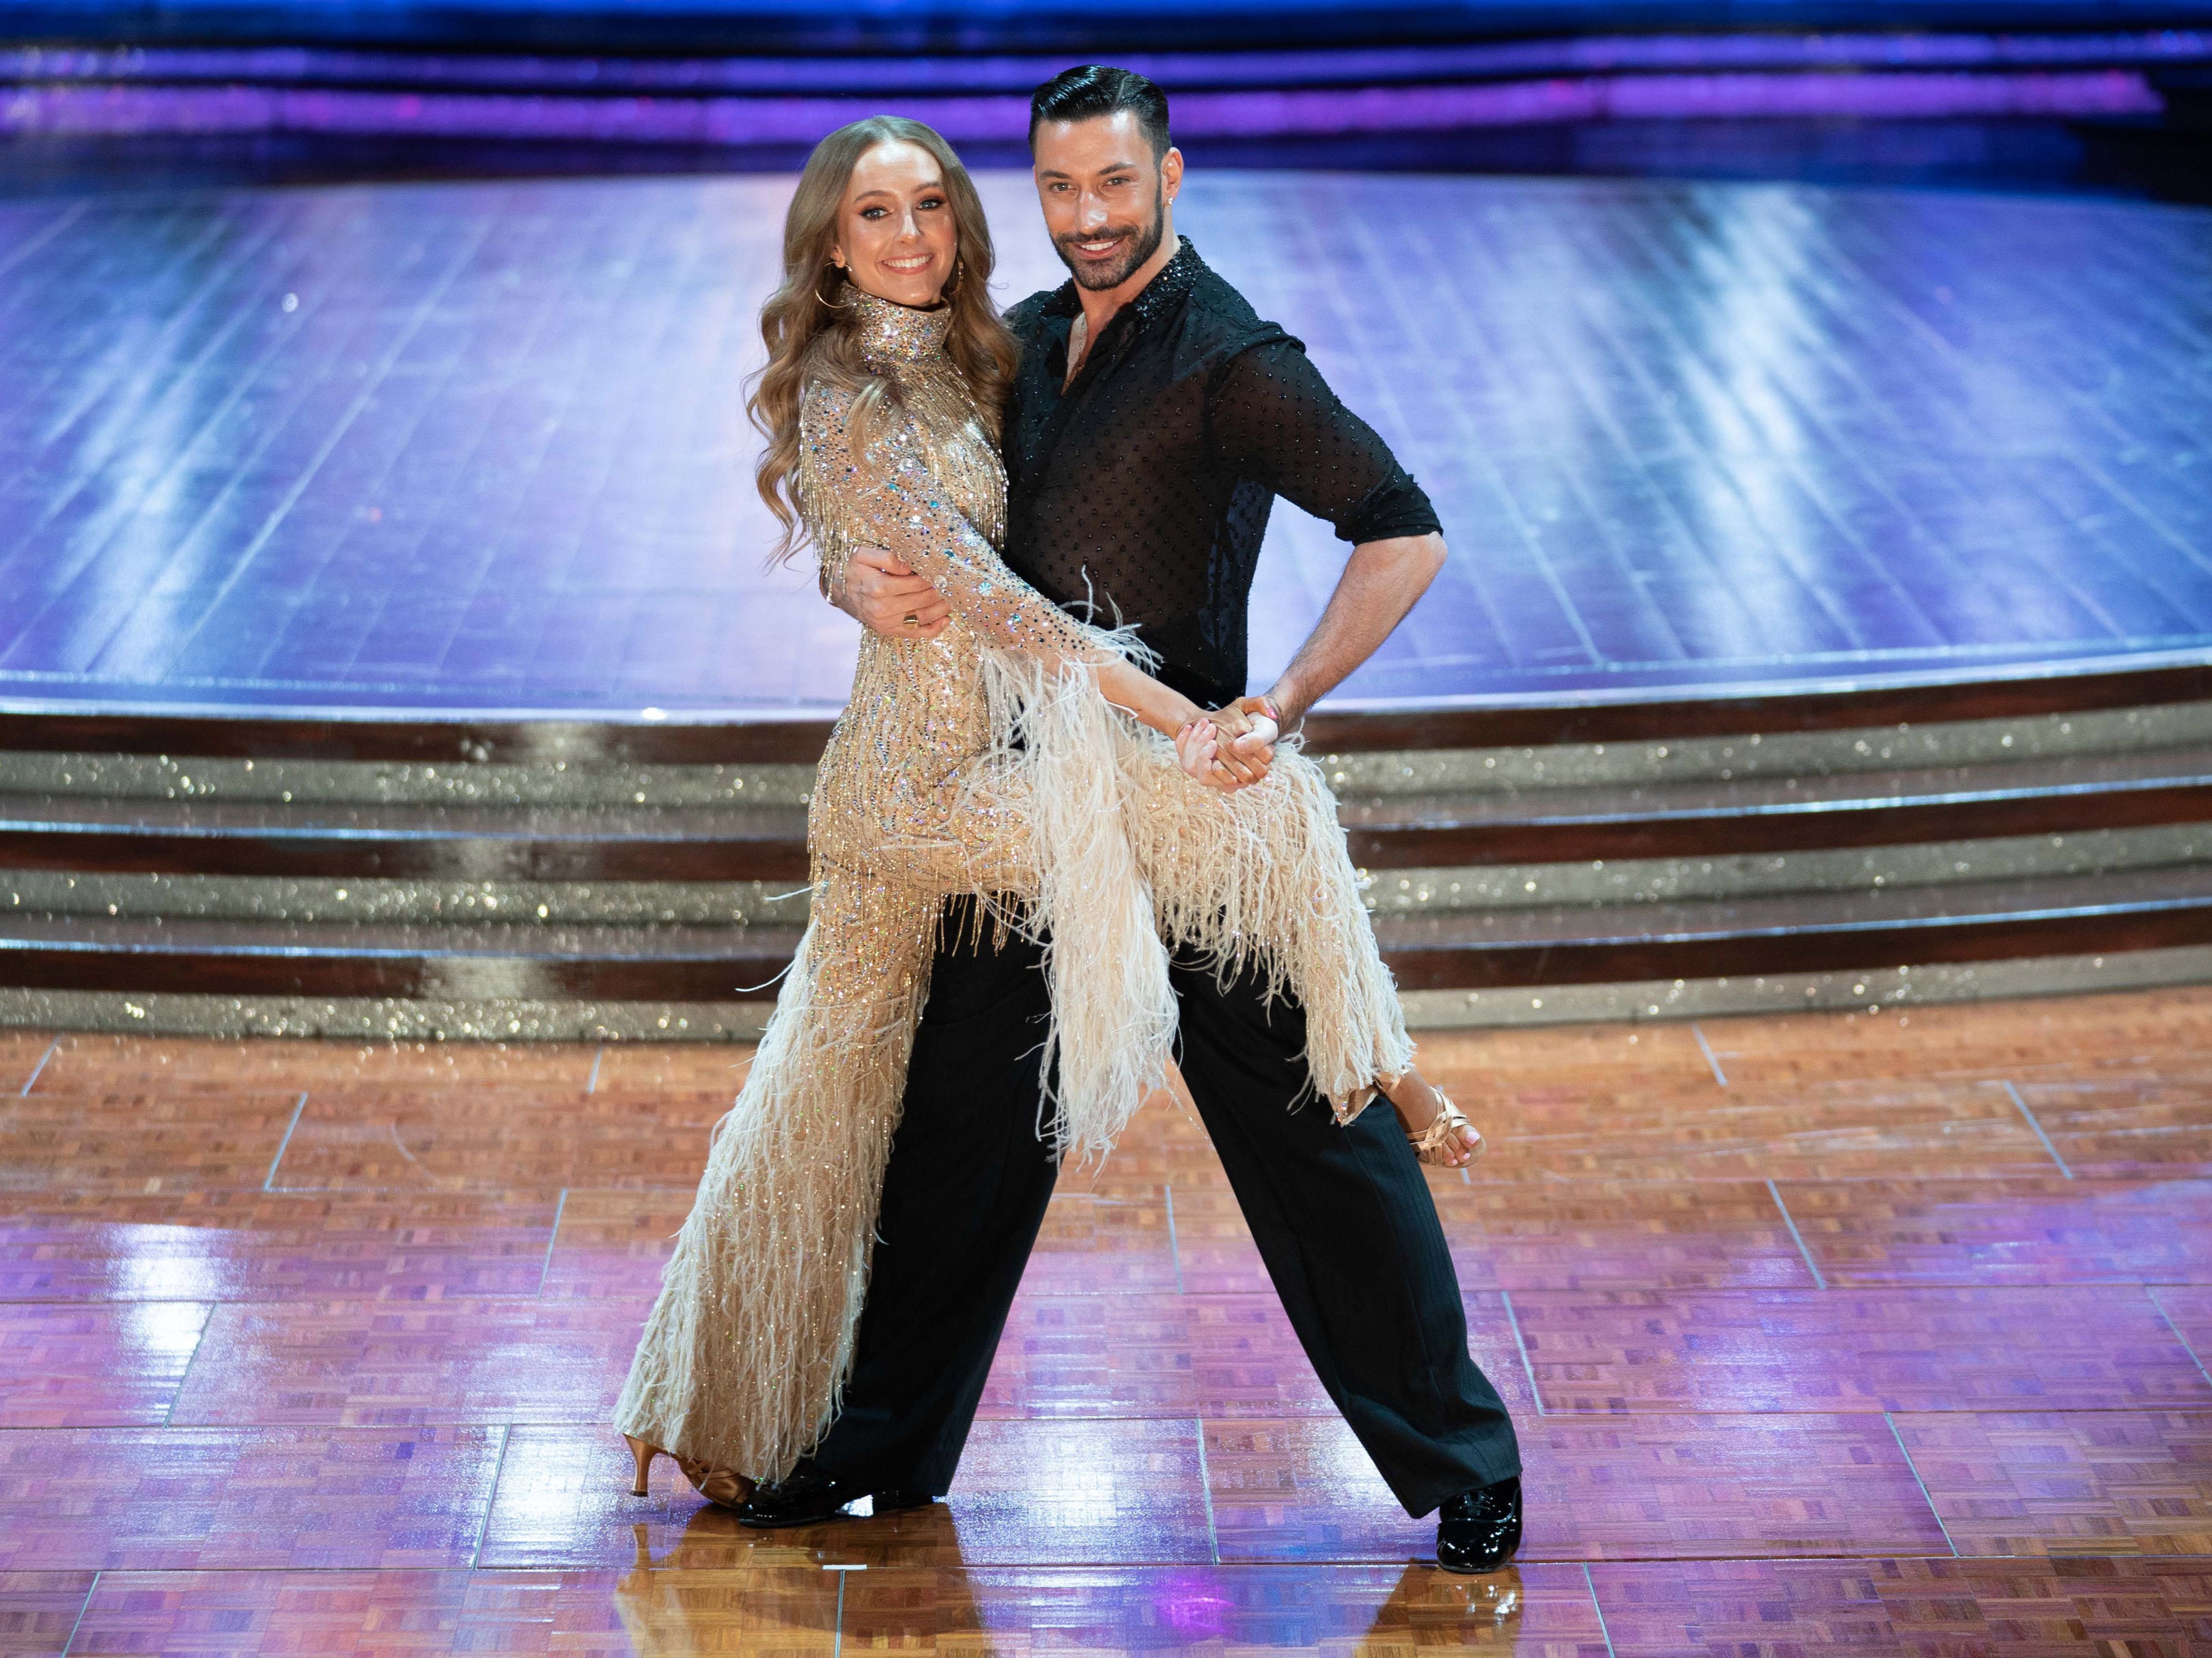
point(1252, 731)
point(884, 597)
point(1244, 735)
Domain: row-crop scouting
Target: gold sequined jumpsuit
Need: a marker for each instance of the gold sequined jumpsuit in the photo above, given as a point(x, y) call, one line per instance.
point(983, 761)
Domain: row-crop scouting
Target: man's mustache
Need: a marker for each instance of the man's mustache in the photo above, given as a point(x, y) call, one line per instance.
point(1116, 233)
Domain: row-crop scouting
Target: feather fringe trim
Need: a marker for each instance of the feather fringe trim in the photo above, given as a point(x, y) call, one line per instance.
point(1262, 880)
point(1258, 880)
point(1113, 1027)
point(746, 1354)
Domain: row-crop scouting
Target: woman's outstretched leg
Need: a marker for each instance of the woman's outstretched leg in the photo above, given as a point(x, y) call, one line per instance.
point(1437, 1130)
point(751, 1335)
point(969, 1177)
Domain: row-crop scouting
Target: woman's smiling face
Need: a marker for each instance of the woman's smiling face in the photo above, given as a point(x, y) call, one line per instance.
point(896, 235)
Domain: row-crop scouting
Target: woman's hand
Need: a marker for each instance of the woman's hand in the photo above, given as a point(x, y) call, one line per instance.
point(1229, 750)
point(1196, 746)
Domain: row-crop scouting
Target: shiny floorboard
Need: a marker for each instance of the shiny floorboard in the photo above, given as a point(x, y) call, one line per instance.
point(1875, 1332)
point(481, 446)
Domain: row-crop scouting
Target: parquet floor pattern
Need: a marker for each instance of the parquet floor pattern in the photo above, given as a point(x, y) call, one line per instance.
point(1878, 1332)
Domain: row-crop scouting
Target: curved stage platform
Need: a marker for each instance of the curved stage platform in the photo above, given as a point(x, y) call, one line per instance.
point(389, 648)
point(480, 448)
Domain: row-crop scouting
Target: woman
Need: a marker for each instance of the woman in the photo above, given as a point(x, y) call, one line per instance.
point(1020, 757)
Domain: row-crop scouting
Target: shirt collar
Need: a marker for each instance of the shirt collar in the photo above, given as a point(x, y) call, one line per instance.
point(1156, 299)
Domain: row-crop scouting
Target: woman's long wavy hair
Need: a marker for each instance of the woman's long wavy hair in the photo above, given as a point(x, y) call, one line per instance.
point(811, 333)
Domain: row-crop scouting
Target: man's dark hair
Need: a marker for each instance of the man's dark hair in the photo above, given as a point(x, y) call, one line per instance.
point(1094, 90)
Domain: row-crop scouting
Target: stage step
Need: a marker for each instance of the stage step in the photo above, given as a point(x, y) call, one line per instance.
point(463, 843)
point(494, 959)
point(1811, 932)
point(1803, 933)
point(614, 895)
point(1702, 817)
point(1449, 826)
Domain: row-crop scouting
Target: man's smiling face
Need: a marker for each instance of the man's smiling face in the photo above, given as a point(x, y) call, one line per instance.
point(1105, 195)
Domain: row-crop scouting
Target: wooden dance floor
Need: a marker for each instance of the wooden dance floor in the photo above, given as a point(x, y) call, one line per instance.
point(478, 447)
point(1833, 1333)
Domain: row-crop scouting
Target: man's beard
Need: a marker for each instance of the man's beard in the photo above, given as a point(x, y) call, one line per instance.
point(1139, 247)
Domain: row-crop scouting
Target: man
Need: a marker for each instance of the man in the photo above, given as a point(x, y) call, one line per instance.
point(1154, 419)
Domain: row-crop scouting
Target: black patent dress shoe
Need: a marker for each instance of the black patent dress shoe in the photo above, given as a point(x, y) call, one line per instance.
point(811, 1497)
point(1478, 1530)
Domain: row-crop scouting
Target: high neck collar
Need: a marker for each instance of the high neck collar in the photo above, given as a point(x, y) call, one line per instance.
point(897, 333)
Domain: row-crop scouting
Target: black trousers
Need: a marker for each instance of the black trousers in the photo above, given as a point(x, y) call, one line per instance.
point(1342, 1217)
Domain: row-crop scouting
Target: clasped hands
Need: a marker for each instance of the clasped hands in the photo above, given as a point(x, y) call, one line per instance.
point(1228, 749)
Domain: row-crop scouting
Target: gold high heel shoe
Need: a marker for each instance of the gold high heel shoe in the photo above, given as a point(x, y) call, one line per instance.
point(1429, 1145)
point(724, 1488)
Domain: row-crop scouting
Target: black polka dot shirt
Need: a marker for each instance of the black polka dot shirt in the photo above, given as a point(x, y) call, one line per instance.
point(1140, 495)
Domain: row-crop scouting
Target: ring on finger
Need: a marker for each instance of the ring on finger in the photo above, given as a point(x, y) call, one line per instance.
point(911, 619)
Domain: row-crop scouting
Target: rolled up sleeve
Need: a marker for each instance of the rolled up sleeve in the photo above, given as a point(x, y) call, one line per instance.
point(1274, 420)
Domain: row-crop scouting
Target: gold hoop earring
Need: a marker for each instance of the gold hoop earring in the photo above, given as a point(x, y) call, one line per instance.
point(832, 305)
point(952, 289)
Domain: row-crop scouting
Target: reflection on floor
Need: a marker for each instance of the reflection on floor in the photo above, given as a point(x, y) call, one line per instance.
point(1873, 1331)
